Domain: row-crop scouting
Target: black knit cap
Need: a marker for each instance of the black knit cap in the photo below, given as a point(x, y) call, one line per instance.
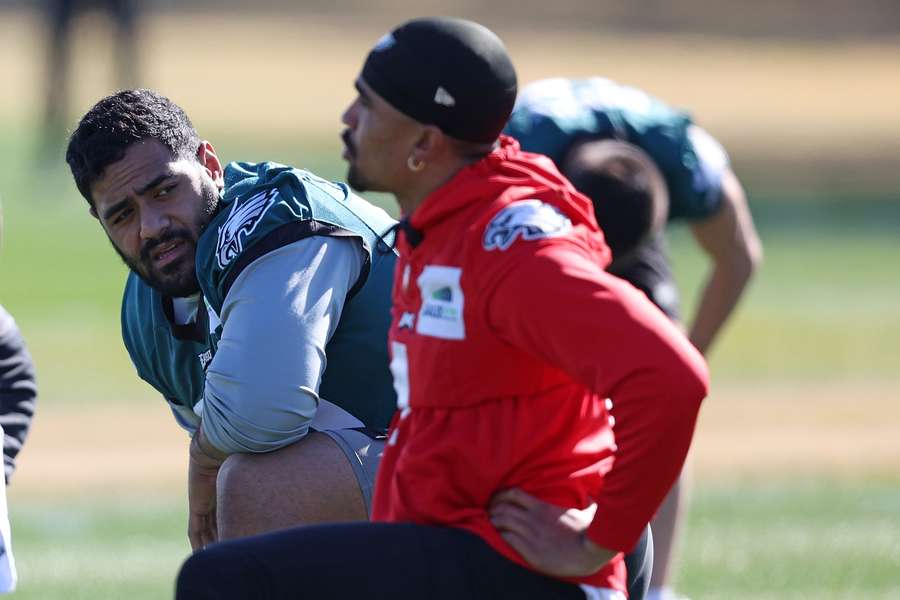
point(451, 73)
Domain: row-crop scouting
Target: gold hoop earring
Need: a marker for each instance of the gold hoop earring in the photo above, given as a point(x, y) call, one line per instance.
point(415, 165)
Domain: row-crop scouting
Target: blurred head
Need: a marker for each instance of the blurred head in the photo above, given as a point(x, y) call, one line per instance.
point(151, 183)
point(628, 191)
point(431, 89)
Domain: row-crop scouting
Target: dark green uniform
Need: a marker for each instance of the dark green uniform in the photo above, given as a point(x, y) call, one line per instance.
point(171, 358)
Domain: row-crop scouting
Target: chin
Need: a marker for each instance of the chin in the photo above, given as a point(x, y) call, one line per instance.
point(359, 182)
point(177, 284)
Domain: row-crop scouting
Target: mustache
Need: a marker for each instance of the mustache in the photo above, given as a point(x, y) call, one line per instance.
point(345, 136)
point(167, 236)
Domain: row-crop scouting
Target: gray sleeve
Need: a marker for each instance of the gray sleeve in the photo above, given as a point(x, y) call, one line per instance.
point(18, 391)
point(262, 385)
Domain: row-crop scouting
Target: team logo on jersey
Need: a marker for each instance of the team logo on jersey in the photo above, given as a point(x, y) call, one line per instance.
point(527, 219)
point(205, 358)
point(441, 314)
point(245, 215)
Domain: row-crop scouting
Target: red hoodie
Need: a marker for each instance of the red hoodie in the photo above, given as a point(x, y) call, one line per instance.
point(507, 339)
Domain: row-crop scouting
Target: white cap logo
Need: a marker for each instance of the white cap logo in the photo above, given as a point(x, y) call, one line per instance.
point(386, 41)
point(443, 97)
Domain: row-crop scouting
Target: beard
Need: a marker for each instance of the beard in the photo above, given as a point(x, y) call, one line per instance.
point(355, 178)
point(178, 279)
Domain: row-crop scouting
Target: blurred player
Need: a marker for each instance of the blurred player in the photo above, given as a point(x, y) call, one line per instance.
point(60, 20)
point(18, 394)
point(258, 306)
point(501, 477)
point(573, 122)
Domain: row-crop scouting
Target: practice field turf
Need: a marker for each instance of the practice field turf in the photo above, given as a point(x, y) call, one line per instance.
point(784, 540)
point(795, 463)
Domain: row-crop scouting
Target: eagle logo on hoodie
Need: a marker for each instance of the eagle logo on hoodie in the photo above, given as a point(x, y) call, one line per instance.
point(527, 219)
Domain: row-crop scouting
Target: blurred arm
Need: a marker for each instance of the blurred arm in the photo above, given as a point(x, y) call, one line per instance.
point(729, 239)
point(18, 392)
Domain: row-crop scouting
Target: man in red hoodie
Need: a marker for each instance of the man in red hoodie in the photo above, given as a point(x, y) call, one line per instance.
point(546, 406)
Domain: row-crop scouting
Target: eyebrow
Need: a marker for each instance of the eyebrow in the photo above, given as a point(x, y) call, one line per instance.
point(110, 211)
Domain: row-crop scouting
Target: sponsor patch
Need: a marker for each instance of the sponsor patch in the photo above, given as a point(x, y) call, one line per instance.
point(529, 220)
point(441, 314)
point(245, 215)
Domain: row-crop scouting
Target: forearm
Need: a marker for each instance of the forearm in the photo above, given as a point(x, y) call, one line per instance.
point(730, 240)
point(718, 299)
point(203, 453)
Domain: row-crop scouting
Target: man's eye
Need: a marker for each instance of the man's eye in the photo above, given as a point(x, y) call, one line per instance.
point(165, 191)
point(121, 216)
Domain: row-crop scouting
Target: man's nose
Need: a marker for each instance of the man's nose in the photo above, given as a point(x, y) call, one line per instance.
point(153, 222)
point(349, 116)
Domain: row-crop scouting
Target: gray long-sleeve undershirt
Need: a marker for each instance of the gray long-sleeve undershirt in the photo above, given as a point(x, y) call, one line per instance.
point(261, 389)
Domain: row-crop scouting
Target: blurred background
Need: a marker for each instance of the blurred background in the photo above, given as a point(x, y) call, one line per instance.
point(796, 464)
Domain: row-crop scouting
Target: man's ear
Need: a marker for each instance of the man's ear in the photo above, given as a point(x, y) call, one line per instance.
point(207, 157)
point(429, 143)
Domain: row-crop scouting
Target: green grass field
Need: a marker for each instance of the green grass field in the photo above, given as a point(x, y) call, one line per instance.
point(785, 540)
point(796, 464)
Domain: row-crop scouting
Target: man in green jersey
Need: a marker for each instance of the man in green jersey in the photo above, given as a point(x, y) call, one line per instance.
point(606, 138)
point(257, 305)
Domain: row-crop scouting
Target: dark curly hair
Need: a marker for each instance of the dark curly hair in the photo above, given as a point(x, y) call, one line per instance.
point(627, 190)
point(116, 122)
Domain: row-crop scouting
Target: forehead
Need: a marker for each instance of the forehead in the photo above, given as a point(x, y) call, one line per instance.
point(381, 106)
point(143, 162)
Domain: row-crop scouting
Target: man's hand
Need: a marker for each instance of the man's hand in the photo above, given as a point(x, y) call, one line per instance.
point(203, 468)
point(550, 538)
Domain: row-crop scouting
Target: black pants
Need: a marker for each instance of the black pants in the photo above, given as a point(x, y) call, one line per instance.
point(639, 564)
point(362, 560)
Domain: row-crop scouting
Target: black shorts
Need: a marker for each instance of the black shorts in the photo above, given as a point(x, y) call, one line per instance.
point(385, 561)
point(648, 270)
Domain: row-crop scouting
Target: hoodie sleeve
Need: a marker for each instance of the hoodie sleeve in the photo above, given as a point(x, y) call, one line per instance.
point(555, 302)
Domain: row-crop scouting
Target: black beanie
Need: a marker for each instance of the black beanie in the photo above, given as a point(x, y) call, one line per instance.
point(451, 73)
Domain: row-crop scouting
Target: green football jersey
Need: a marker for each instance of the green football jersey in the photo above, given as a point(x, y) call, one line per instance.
point(553, 114)
point(266, 206)
point(171, 358)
